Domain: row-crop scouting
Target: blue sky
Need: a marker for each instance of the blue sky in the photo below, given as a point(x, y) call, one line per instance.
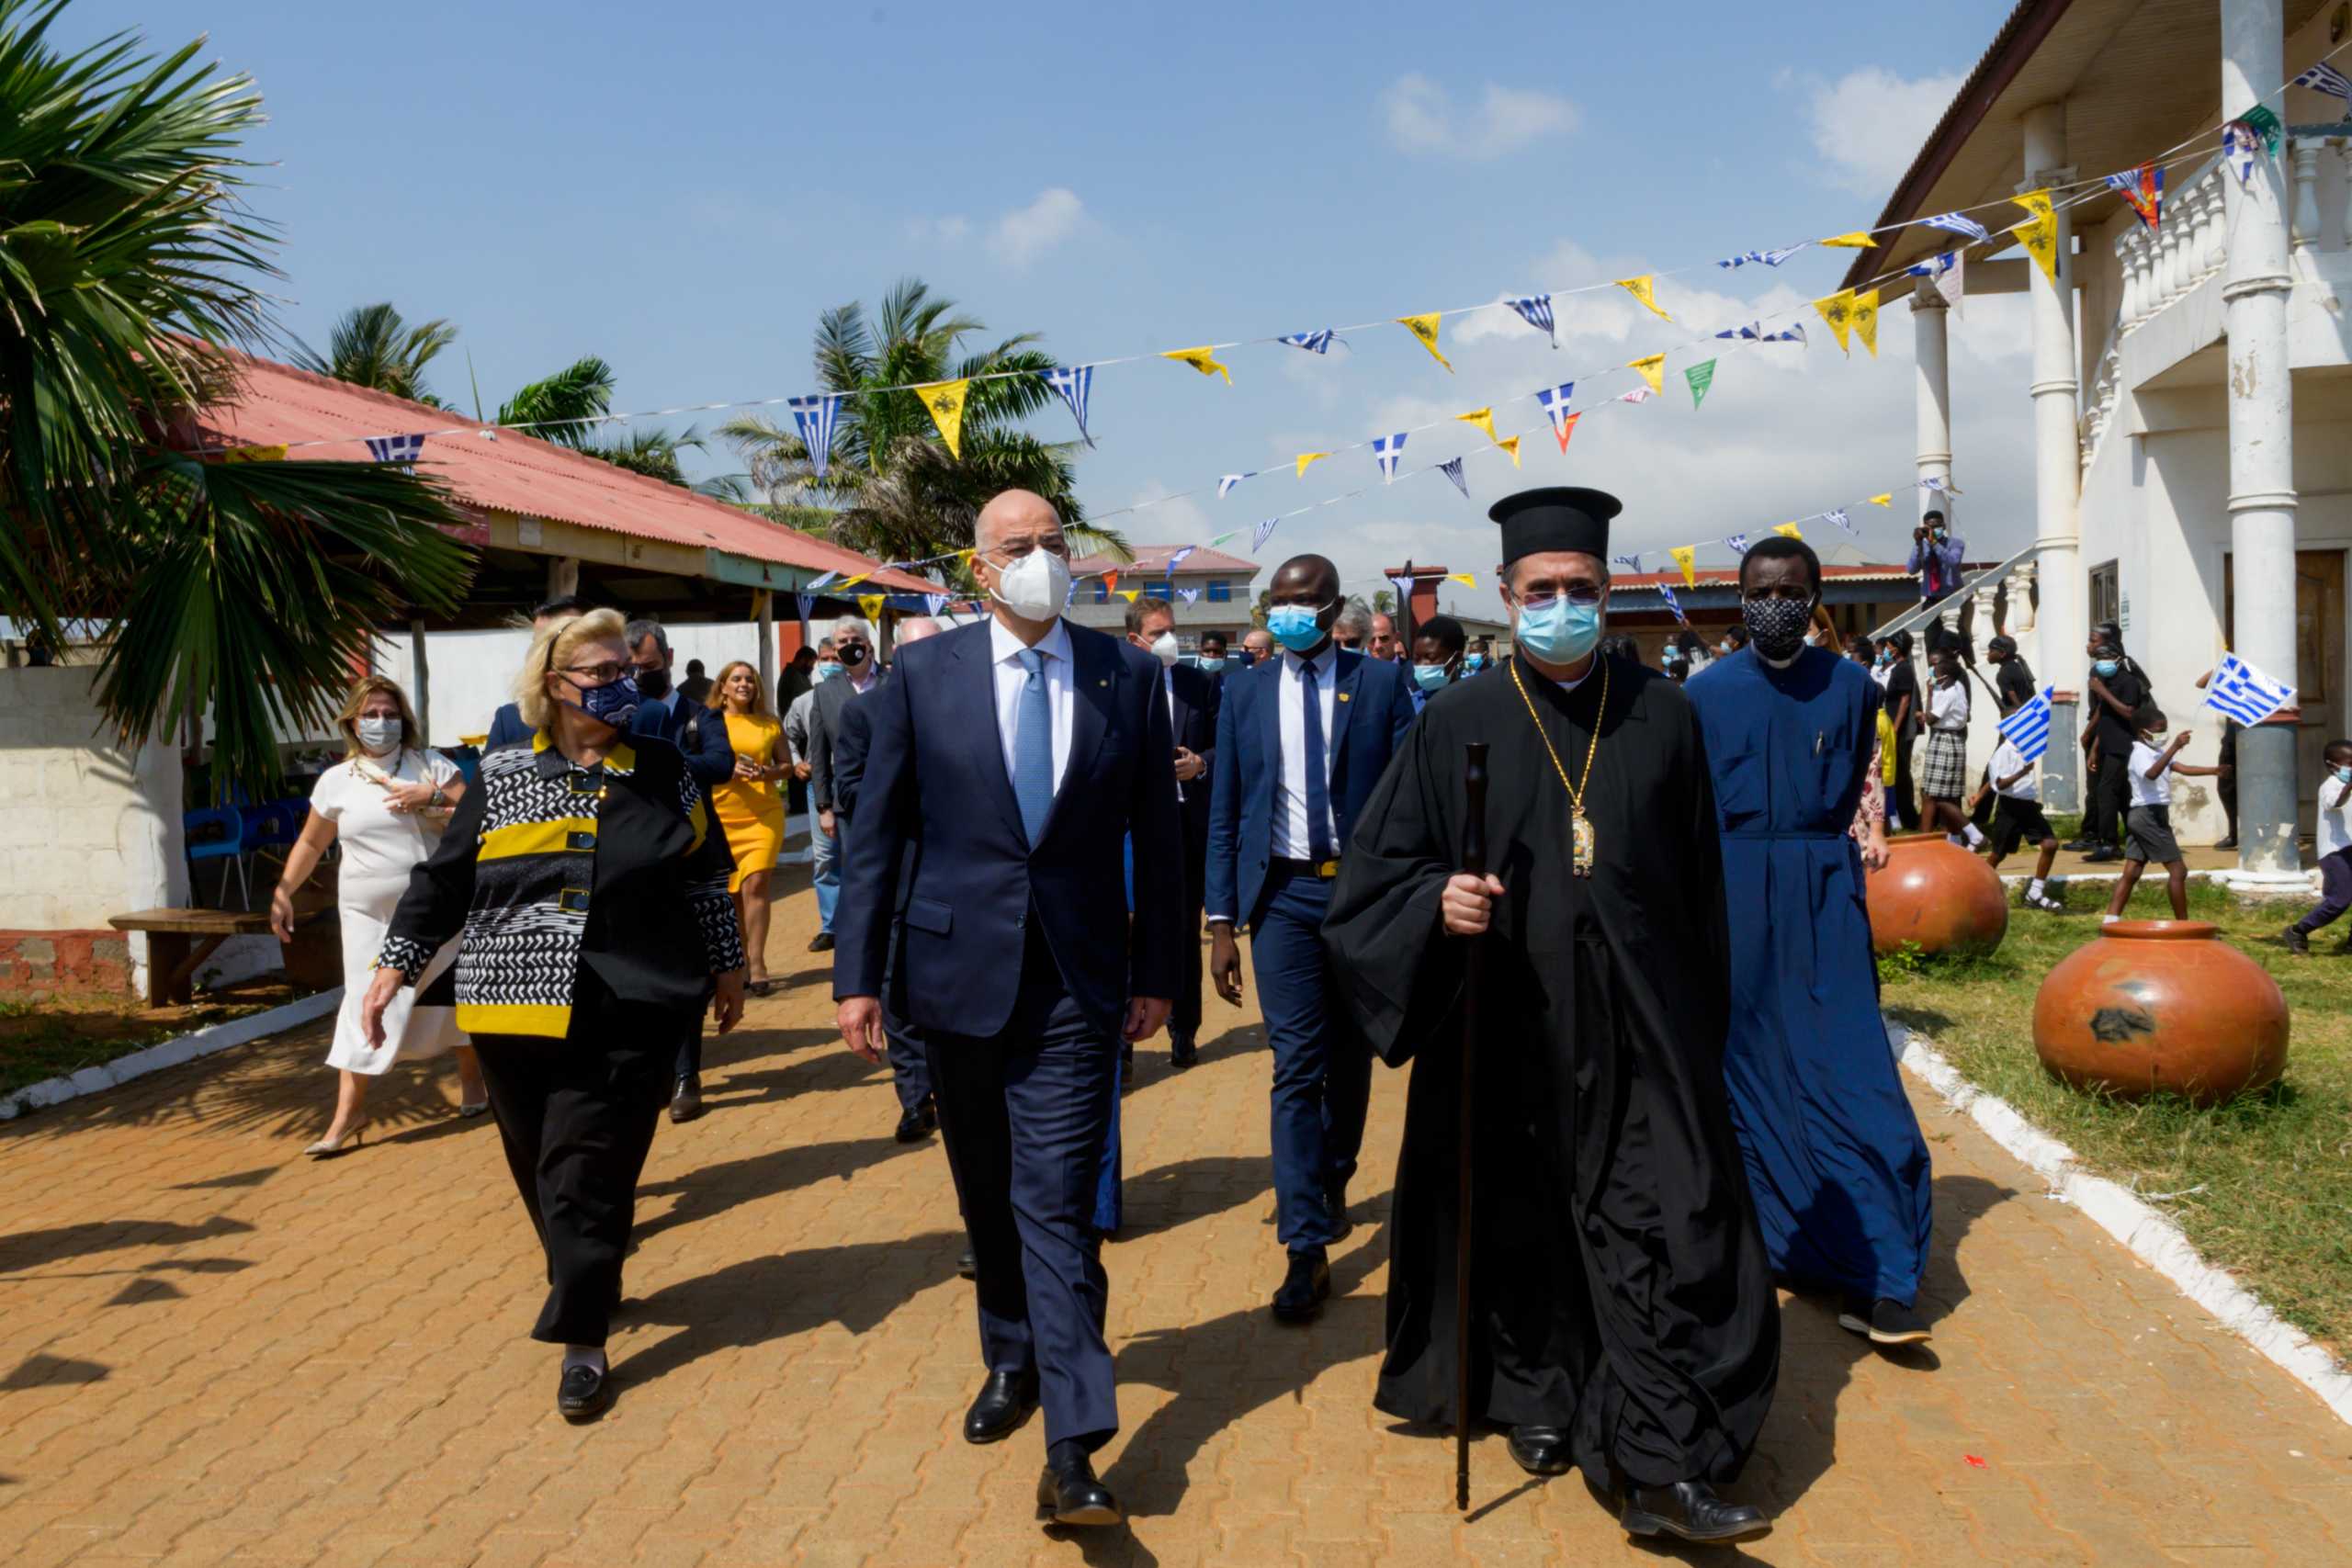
point(682, 193)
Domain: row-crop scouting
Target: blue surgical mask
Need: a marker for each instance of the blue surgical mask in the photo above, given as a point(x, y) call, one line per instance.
point(1561, 632)
point(1295, 627)
point(2106, 667)
point(1474, 661)
point(2344, 775)
point(615, 704)
point(827, 670)
point(1428, 677)
point(1210, 664)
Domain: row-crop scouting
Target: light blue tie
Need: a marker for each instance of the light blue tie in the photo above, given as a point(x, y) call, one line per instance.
point(1032, 748)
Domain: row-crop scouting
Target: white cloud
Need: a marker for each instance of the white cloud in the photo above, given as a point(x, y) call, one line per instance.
point(948, 231)
point(1423, 118)
point(1023, 234)
point(1869, 124)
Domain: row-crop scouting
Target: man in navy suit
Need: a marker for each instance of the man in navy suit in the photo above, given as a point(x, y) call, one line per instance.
point(1192, 716)
point(1017, 758)
point(1302, 738)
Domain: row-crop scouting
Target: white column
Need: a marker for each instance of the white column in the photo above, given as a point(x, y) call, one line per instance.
point(2255, 291)
point(1932, 389)
point(2057, 460)
point(420, 681)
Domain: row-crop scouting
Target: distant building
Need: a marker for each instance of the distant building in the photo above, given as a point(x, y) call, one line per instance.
point(1857, 596)
point(1219, 585)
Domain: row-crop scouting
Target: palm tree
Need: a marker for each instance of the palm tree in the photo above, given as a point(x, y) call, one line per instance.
point(892, 489)
point(371, 347)
point(127, 260)
point(565, 408)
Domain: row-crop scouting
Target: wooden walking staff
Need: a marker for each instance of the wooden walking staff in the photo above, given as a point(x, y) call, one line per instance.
point(1474, 860)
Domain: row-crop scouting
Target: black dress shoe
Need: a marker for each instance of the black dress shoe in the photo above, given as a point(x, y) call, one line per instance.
point(918, 1124)
point(821, 943)
point(1183, 1054)
point(1070, 1494)
point(2296, 940)
point(1541, 1450)
point(1884, 1322)
point(1005, 1402)
point(686, 1103)
point(2077, 846)
point(584, 1393)
point(1691, 1510)
point(1303, 1289)
point(1335, 1203)
point(968, 1265)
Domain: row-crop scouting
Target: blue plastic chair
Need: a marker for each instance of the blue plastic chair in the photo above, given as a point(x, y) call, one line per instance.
point(275, 825)
point(228, 825)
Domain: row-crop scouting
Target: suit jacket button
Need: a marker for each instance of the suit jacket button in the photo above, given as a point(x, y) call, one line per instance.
point(1019, 921)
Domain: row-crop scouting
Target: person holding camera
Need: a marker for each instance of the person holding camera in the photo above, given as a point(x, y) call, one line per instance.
point(1936, 553)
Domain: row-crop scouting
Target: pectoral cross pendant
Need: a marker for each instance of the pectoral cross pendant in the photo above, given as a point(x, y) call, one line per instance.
point(1581, 841)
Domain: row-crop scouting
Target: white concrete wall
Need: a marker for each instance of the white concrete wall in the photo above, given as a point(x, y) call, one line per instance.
point(473, 672)
point(87, 828)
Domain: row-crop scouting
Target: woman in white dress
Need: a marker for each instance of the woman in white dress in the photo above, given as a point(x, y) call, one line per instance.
point(386, 802)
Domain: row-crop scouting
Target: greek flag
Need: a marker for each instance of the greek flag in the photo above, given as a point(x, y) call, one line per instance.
point(1555, 404)
point(934, 602)
point(806, 601)
point(815, 417)
point(1768, 258)
point(1673, 603)
point(1075, 384)
point(1632, 563)
point(1535, 310)
point(1837, 515)
point(1751, 332)
point(1314, 343)
point(825, 581)
point(1385, 451)
point(1934, 266)
point(401, 449)
point(2027, 730)
point(1225, 486)
point(1452, 469)
point(2326, 78)
point(2243, 693)
point(1940, 485)
point(1738, 542)
point(1954, 222)
point(1188, 594)
point(1177, 559)
point(1264, 529)
point(2240, 142)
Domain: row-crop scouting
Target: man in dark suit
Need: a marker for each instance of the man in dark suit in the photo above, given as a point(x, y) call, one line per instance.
point(1302, 738)
point(909, 1069)
point(854, 652)
point(1018, 757)
point(1191, 714)
point(701, 736)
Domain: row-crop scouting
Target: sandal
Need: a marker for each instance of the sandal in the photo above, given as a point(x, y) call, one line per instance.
point(764, 985)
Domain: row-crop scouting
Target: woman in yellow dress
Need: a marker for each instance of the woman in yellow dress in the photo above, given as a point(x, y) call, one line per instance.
point(749, 808)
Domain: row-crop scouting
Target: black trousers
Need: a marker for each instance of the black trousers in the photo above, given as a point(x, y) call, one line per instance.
point(1184, 1011)
point(577, 1117)
point(2111, 798)
point(1906, 788)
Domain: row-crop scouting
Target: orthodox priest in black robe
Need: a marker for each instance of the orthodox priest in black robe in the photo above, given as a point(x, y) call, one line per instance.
point(1625, 1320)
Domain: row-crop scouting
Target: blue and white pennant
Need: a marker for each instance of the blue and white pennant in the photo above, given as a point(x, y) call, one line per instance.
point(1387, 450)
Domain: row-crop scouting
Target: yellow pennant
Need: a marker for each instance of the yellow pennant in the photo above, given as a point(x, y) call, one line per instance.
point(1464, 578)
point(1425, 328)
point(1686, 558)
point(1652, 367)
point(1644, 288)
point(1510, 444)
point(1788, 530)
point(2039, 233)
point(1886, 500)
point(1837, 309)
point(1131, 595)
point(945, 401)
point(1857, 241)
point(1484, 418)
point(870, 604)
point(1866, 321)
point(1307, 458)
point(254, 455)
point(1200, 359)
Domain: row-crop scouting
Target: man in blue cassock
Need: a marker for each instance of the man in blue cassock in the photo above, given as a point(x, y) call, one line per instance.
point(1834, 1156)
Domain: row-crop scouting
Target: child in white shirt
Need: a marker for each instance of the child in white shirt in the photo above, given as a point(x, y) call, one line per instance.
point(2148, 826)
point(2334, 849)
point(2018, 818)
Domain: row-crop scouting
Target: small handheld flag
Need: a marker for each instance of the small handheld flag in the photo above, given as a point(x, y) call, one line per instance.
point(2027, 730)
point(2243, 693)
point(1667, 590)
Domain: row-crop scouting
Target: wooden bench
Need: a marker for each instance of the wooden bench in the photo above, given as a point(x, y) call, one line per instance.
point(178, 940)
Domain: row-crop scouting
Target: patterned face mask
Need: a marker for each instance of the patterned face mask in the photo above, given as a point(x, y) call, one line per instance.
point(1777, 625)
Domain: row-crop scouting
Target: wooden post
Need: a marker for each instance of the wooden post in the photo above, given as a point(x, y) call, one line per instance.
point(563, 576)
point(420, 679)
point(764, 607)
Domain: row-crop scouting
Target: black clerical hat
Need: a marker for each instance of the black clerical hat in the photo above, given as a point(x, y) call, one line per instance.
point(1559, 517)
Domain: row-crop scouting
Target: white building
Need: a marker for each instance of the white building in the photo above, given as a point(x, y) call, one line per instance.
point(2193, 414)
point(1218, 586)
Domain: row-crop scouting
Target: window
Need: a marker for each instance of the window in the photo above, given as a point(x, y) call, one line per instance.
point(1220, 591)
point(1101, 591)
point(2105, 594)
point(1162, 590)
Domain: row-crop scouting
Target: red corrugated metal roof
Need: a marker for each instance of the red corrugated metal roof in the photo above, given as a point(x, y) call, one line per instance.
point(1152, 561)
point(279, 404)
point(1730, 574)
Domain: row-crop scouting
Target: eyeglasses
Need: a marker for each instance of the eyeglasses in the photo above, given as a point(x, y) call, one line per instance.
point(603, 674)
point(1023, 548)
point(1543, 599)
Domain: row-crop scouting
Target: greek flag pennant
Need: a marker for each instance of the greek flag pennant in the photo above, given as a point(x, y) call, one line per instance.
point(401, 449)
point(814, 416)
point(2242, 692)
point(804, 603)
point(1190, 596)
point(1934, 266)
point(1751, 332)
point(1667, 591)
point(1225, 486)
point(1535, 310)
point(2326, 78)
point(1940, 485)
point(1265, 529)
point(1314, 342)
point(2027, 730)
point(2143, 189)
point(1955, 224)
point(1795, 334)
point(1451, 468)
point(1837, 515)
point(1177, 559)
point(1555, 409)
point(1738, 542)
point(1767, 258)
point(825, 581)
point(934, 602)
point(1385, 451)
point(1075, 384)
point(1632, 563)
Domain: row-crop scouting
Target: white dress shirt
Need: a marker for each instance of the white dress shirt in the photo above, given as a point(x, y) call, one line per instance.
point(862, 679)
point(1291, 834)
point(1061, 691)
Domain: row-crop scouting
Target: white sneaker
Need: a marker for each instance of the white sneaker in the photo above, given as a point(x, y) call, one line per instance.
point(2044, 901)
point(2109, 920)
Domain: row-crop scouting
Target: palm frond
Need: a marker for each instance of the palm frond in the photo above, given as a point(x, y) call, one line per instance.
point(565, 408)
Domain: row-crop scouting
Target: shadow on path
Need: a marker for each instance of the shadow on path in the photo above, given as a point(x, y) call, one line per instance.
point(712, 1189)
point(32, 1249)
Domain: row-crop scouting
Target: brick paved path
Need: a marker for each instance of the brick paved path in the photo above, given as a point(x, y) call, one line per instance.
point(212, 1350)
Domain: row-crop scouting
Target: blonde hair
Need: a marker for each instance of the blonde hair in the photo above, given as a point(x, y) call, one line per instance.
point(552, 649)
point(716, 701)
point(347, 718)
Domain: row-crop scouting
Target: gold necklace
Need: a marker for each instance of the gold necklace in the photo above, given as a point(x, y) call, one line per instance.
point(1580, 826)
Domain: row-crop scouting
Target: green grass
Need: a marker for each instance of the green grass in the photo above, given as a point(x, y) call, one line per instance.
point(2265, 1182)
point(51, 1039)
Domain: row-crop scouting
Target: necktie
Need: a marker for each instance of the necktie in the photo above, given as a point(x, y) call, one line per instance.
point(1032, 748)
point(1318, 786)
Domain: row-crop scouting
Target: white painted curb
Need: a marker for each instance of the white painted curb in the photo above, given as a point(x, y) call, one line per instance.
point(2145, 1233)
point(170, 1054)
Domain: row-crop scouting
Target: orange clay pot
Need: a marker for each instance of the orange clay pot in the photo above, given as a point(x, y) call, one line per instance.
point(2162, 1005)
point(1937, 895)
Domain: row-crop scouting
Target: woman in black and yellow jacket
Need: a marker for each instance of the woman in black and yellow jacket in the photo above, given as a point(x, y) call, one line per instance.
point(586, 880)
